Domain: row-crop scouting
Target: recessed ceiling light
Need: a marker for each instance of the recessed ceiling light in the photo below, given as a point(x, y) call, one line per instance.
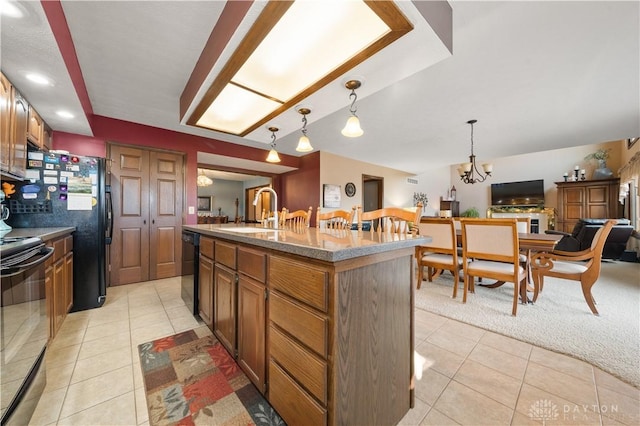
point(39, 79)
point(65, 114)
point(9, 8)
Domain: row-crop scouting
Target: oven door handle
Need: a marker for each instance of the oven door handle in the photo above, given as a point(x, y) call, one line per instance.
point(42, 257)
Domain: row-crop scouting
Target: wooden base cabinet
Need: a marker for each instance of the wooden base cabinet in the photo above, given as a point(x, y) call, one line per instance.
point(59, 282)
point(328, 343)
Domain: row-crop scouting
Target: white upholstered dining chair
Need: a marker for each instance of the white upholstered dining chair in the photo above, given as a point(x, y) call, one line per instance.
point(493, 246)
point(441, 253)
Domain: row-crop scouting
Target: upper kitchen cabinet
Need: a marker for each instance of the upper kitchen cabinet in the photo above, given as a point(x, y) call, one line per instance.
point(147, 188)
point(35, 131)
point(13, 130)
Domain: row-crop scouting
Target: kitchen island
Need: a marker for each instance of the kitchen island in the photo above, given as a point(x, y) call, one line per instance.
point(320, 320)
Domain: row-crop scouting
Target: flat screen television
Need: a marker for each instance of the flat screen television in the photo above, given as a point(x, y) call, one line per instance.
point(525, 193)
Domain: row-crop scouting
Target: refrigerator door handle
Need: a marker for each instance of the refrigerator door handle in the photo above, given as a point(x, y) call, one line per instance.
point(109, 215)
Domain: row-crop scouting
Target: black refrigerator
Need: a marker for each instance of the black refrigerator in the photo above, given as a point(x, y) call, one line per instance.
point(70, 190)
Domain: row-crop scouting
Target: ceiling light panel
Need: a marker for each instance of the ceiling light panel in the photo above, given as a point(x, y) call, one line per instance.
point(312, 39)
point(236, 109)
point(292, 50)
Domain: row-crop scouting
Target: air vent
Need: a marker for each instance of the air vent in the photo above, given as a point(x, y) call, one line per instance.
point(412, 181)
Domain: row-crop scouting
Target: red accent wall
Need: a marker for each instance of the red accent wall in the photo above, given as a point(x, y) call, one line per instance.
point(300, 188)
point(124, 132)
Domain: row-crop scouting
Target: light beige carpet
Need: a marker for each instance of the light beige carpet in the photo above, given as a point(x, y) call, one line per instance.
point(560, 320)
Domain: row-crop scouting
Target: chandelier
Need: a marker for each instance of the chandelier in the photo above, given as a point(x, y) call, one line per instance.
point(203, 180)
point(468, 171)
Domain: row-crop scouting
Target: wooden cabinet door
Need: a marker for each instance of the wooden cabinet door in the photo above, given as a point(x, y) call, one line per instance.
point(18, 153)
point(68, 281)
point(224, 303)
point(205, 291)
point(129, 251)
point(59, 305)
point(6, 104)
point(251, 330)
point(35, 129)
point(165, 209)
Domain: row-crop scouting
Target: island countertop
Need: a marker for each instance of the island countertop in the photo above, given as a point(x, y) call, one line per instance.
point(330, 245)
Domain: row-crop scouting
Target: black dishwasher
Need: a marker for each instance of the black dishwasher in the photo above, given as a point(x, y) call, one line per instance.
point(190, 267)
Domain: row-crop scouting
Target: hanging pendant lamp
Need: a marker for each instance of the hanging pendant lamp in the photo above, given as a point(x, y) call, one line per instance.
point(304, 144)
point(352, 129)
point(273, 156)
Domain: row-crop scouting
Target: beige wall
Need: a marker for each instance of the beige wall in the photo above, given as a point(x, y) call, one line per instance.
point(338, 170)
point(546, 165)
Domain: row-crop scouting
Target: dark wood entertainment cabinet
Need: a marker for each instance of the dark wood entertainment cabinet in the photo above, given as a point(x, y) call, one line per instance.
point(588, 199)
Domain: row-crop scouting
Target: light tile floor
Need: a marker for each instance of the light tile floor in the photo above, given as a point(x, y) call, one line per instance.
point(469, 375)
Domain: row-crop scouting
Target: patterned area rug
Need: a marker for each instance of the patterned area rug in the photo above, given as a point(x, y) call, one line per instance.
point(190, 380)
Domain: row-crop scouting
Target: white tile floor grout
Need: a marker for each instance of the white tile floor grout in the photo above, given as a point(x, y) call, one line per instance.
point(468, 375)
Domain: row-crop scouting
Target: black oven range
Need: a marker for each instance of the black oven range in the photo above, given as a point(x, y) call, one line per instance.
point(24, 328)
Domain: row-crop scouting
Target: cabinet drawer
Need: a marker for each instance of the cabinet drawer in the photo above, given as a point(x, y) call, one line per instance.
point(308, 370)
point(58, 247)
point(300, 281)
point(291, 401)
point(206, 247)
point(303, 324)
point(252, 263)
point(225, 254)
point(68, 244)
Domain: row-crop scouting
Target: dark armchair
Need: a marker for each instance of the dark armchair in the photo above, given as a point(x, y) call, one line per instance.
point(582, 235)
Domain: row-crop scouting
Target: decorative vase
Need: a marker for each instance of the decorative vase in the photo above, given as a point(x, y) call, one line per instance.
point(602, 172)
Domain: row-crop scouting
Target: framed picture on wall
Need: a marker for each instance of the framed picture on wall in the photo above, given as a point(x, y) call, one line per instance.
point(330, 195)
point(204, 204)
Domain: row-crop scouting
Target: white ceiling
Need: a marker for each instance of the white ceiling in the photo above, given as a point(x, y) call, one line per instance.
point(537, 75)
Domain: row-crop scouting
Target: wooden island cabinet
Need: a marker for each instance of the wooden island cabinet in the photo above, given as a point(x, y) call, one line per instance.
point(321, 321)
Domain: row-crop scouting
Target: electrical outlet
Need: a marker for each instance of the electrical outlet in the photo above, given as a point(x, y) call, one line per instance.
point(192, 210)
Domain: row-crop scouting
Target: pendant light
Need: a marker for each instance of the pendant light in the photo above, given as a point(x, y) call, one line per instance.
point(352, 129)
point(203, 180)
point(468, 171)
point(304, 145)
point(273, 156)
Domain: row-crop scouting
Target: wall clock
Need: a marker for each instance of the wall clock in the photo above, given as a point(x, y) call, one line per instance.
point(350, 189)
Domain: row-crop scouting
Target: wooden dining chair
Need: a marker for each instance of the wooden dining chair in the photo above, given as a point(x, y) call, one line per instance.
point(296, 219)
point(335, 219)
point(493, 246)
point(394, 220)
point(583, 266)
point(440, 253)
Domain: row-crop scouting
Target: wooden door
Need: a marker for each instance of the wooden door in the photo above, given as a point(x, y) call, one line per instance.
point(130, 191)
point(6, 103)
point(165, 208)
point(224, 312)
point(251, 330)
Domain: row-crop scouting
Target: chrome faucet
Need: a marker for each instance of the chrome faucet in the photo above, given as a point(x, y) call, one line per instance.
point(275, 207)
